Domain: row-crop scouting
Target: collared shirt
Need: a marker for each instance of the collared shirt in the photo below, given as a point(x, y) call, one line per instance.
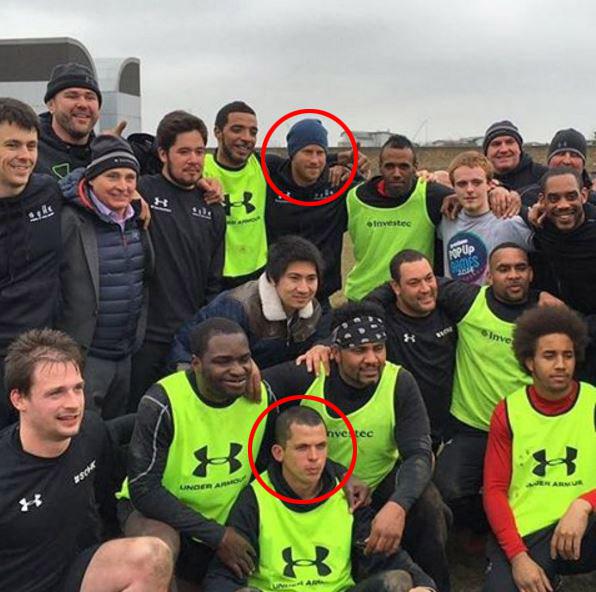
point(111, 214)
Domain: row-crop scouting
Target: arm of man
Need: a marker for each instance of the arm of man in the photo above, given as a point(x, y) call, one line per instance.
point(497, 478)
point(412, 438)
point(435, 194)
point(216, 264)
point(456, 298)
point(147, 458)
point(244, 518)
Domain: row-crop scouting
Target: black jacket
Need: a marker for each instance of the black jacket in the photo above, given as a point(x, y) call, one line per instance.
point(525, 173)
point(80, 269)
point(56, 157)
point(30, 250)
point(323, 225)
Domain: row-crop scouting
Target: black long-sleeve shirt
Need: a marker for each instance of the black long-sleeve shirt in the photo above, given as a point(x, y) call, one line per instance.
point(188, 239)
point(412, 428)
point(244, 517)
point(147, 458)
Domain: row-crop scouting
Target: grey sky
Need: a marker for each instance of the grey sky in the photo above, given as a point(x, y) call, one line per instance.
point(377, 64)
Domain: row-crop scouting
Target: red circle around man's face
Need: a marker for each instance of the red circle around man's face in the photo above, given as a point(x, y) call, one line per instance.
point(292, 500)
point(333, 196)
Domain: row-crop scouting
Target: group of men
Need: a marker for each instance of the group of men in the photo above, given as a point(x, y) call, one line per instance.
point(149, 283)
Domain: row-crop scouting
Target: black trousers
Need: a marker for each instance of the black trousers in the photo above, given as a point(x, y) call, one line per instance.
point(426, 531)
point(499, 577)
point(458, 475)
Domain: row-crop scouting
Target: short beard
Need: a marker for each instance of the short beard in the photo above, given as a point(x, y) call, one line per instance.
point(176, 180)
point(64, 122)
point(231, 158)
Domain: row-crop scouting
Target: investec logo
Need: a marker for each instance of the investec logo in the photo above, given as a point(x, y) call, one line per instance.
point(389, 223)
point(488, 334)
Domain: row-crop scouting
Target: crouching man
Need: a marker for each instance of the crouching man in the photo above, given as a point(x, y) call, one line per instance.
point(53, 466)
point(308, 546)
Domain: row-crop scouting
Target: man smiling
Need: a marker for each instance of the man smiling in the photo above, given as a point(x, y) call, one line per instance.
point(74, 101)
point(29, 233)
point(514, 168)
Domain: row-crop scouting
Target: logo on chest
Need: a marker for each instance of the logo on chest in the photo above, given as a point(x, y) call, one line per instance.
point(26, 504)
point(202, 455)
point(43, 213)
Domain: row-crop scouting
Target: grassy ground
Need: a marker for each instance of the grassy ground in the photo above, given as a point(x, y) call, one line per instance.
point(467, 570)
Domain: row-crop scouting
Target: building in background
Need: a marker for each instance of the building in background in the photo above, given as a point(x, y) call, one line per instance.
point(366, 139)
point(26, 65)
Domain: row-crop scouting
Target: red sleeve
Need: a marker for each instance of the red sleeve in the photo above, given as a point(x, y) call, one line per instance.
point(590, 497)
point(497, 477)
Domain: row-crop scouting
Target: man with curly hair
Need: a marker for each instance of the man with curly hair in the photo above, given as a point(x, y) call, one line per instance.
point(540, 465)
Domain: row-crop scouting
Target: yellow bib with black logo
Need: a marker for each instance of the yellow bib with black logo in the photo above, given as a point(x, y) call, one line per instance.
point(486, 369)
point(303, 551)
point(553, 458)
point(374, 424)
point(207, 464)
point(379, 233)
point(244, 204)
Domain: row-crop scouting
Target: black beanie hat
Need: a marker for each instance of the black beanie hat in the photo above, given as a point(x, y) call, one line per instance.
point(71, 75)
point(110, 152)
point(306, 132)
point(501, 128)
point(568, 140)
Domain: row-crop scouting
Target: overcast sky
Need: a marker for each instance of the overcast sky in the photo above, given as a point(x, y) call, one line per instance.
point(430, 69)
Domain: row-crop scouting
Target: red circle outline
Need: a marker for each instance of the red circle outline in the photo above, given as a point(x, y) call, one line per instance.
point(320, 498)
point(333, 196)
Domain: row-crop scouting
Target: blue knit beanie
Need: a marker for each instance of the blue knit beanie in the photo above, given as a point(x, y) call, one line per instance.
point(306, 132)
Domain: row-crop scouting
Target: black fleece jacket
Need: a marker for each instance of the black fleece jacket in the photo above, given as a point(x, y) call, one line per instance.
point(525, 173)
point(30, 251)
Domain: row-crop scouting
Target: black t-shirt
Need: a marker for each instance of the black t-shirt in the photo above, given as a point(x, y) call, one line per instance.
point(48, 509)
point(188, 239)
point(426, 347)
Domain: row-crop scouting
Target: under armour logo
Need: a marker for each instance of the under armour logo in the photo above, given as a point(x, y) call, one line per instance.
point(205, 461)
point(321, 554)
point(409, 337)
point(25, 505)
point(158, 201)
point(569, 461)
point(246, 199)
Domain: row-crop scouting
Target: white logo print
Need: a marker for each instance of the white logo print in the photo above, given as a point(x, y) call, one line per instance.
point(44, 212)
point(85, 472)
point(36, 501)
point(161, 204)
point(201, 212)
point(409, 337)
